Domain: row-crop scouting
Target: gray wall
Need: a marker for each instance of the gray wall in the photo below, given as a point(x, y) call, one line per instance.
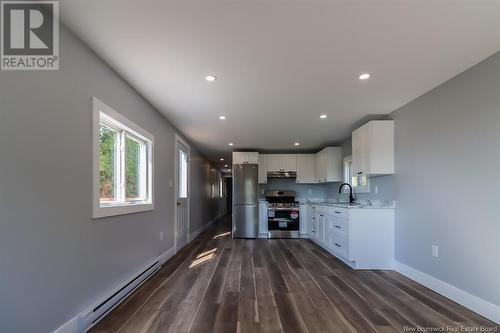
point(447, 181)
point(202, 206)
point(54, 259)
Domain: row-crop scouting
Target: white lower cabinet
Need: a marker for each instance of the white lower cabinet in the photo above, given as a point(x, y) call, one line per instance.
point(361, 237)
point(304, 218)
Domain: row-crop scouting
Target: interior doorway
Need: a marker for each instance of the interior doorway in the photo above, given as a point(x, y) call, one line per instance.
point(229, 196)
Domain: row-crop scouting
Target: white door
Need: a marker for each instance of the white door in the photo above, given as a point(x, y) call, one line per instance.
point(182, 153)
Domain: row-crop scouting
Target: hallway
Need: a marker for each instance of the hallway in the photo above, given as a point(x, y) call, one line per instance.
point(217, 284)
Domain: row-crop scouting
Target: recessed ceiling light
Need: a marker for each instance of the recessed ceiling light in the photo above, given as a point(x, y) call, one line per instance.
point(225, 165)
point(222, 159)
point(296, 144)
point(231, 144)
point(364, 76)
point(210, 78)
point(323, 116)
point(222, 117)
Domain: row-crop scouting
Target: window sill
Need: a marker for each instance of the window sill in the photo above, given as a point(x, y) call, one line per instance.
point(121, 209)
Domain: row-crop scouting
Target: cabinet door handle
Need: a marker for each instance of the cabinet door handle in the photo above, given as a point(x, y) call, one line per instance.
point(313, 218)
point(360, 173)
point(337, 245)
point(337, 212)
point(338, 227)
point(322, 215)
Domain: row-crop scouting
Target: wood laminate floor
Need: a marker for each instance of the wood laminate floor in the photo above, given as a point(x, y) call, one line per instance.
point(220, 284)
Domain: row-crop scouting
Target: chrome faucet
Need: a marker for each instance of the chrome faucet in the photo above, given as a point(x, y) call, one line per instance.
point(351, 197)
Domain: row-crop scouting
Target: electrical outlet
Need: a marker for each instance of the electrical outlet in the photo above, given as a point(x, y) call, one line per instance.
point(161, 235)
point(435, 251)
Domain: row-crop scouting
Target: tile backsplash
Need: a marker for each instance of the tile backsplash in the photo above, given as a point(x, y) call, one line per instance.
point(383, 185)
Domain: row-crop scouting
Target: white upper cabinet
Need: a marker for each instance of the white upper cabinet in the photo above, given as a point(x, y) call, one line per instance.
point(274, 162)
point(373, 148)
point(281, 162)
point(252, 158)
point(262, 169)
point(306, 168)
point(245, 158)
point(329, 165)
point(289, 162)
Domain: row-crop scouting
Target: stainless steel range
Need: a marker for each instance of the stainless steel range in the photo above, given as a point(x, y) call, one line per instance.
point(283, 214)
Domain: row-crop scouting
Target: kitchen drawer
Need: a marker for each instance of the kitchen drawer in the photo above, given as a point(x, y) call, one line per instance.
point(339, 212)
point(340, 243)
point(340, 224)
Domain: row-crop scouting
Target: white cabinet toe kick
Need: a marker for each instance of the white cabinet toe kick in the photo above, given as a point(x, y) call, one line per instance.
point(362, 238)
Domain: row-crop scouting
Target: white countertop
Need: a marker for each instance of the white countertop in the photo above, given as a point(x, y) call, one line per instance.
point(361, 205)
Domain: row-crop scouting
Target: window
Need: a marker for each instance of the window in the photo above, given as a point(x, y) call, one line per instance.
point(360, 184)
point(123, 164)
point(183, 174)
point(348, 170)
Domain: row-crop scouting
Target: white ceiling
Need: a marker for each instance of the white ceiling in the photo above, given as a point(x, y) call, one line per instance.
point(280, 64)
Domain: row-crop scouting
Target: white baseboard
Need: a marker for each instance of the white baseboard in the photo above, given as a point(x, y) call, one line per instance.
point(71, 326)
point(77, 324)
point(474, 303)
point(197, 232)
point(167, 255)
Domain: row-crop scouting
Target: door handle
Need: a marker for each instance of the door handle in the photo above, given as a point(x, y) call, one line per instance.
point(179, 204)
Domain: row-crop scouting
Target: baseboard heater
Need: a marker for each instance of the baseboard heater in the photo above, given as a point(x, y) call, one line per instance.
point(103, 308)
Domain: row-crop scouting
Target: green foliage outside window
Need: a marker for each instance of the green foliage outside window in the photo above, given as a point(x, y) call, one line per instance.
point(107, 154)
point(108, 141)
point(132, 156)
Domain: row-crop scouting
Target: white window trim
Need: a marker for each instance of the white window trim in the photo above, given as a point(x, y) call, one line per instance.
point(356, 189)
point(100, 109)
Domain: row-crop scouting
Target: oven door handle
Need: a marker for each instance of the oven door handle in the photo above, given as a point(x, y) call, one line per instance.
point(279, 220)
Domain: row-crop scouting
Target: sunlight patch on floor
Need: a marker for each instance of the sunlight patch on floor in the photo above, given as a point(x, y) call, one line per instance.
point(222, 235)
point(202, 260)
point(206, 253)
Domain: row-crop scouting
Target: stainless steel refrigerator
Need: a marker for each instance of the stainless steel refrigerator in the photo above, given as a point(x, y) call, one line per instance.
point(245, 201)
